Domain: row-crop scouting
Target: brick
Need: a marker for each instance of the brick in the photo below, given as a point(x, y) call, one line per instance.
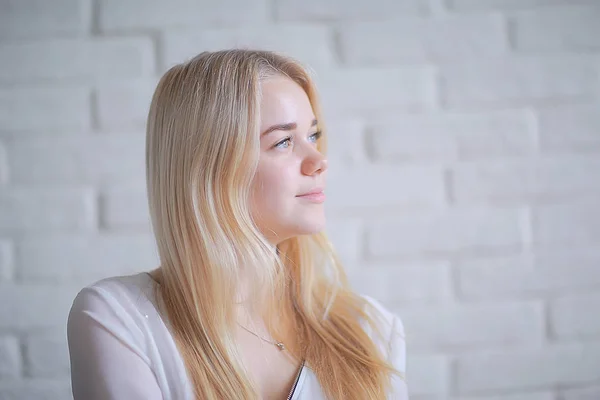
point(53, 107)
point(346, 235)
point(124, 104)
point(561, 364)
point(557, 29)
point(468, 5)
point(47, 355)
point(412, 40)
point(345, 143)
point(84, 259)
point(581, 393)
point(516, 181)
point(37, 210)
point(427, 374)
point(125, 207)
point(521, 396)
point(352, 91)
point(451, 137)
point(20, 19)
point(394, 187)
point(290, 10)
point(310, 44)
point(3, 165)
point(575, 316)
point(569, 128)
point(548, 272)
point(88, 59)
point(78, 159)
point(10, 357)
point(35, 306)
point(517, 81)
point(47, 389)
point(6, 260)
point(577, 222)
point(453, 325)
point(446, 232)
point(406, 283)
point(129, 15)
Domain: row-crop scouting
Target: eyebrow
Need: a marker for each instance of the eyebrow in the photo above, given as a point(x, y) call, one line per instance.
point(285, 127)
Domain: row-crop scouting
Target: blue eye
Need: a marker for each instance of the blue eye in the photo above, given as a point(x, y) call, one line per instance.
point(316, 136)
point(286, 140)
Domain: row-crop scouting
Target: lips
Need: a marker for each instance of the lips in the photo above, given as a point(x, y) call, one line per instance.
point(317, 190)
point(316, 195)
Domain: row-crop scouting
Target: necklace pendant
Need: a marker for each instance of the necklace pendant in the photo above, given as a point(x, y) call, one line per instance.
point(280, 345)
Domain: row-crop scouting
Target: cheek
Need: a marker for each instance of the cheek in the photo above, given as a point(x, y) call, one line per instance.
point(274, 185)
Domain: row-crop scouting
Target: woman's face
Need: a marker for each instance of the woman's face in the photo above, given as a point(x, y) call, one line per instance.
point(290, 164)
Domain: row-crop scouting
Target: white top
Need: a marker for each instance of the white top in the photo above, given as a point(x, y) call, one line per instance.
point(120, 348)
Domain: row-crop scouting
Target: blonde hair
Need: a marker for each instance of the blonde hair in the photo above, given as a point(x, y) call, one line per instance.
point(202, 151)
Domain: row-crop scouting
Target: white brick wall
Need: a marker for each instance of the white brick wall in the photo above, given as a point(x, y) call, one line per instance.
point(27, 19)
point(582, 123)
point(586, 393)
point(142, 15)
point(519, 80)
point(564, 364)
point(566, 29)
point(464, 180)
point(450, 137)
point(88, 59)
point(46, 355)
point(290, 38)
point(10, 358)
point(55, 107)
point(290, 10)
point(420, 40)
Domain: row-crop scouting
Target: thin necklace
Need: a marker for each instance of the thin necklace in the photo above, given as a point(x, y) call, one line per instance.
point(279, 345)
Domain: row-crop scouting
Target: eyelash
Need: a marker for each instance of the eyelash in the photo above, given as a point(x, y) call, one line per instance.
point(317, 135)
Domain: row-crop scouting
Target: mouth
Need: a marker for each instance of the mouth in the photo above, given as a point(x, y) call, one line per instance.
point(314, 196)
point(316, 190)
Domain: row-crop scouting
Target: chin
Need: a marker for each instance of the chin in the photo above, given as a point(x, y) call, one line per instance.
point(310, 227)
point(300, 229)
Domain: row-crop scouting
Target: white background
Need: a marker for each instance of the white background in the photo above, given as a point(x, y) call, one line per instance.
point(464, 185)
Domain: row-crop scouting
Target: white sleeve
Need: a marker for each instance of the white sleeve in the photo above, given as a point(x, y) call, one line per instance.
point(106, 348)
point(396, 348)
point(397, 357)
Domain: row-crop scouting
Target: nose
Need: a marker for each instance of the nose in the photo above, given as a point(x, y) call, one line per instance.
point(314, 163)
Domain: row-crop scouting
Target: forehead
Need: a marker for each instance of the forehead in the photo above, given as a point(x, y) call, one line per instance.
point(283, 101)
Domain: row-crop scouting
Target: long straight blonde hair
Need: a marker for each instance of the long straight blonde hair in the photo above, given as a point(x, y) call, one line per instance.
point(202, 150)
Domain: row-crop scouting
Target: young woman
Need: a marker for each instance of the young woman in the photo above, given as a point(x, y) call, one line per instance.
point(250, 300)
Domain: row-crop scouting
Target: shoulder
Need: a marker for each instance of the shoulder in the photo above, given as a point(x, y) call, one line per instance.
point(127, 290)
point(110, 341)
point(114, 301)
point(390, 322)
point(391, 330)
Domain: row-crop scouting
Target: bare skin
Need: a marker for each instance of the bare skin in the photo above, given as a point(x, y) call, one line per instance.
point(273, 370)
